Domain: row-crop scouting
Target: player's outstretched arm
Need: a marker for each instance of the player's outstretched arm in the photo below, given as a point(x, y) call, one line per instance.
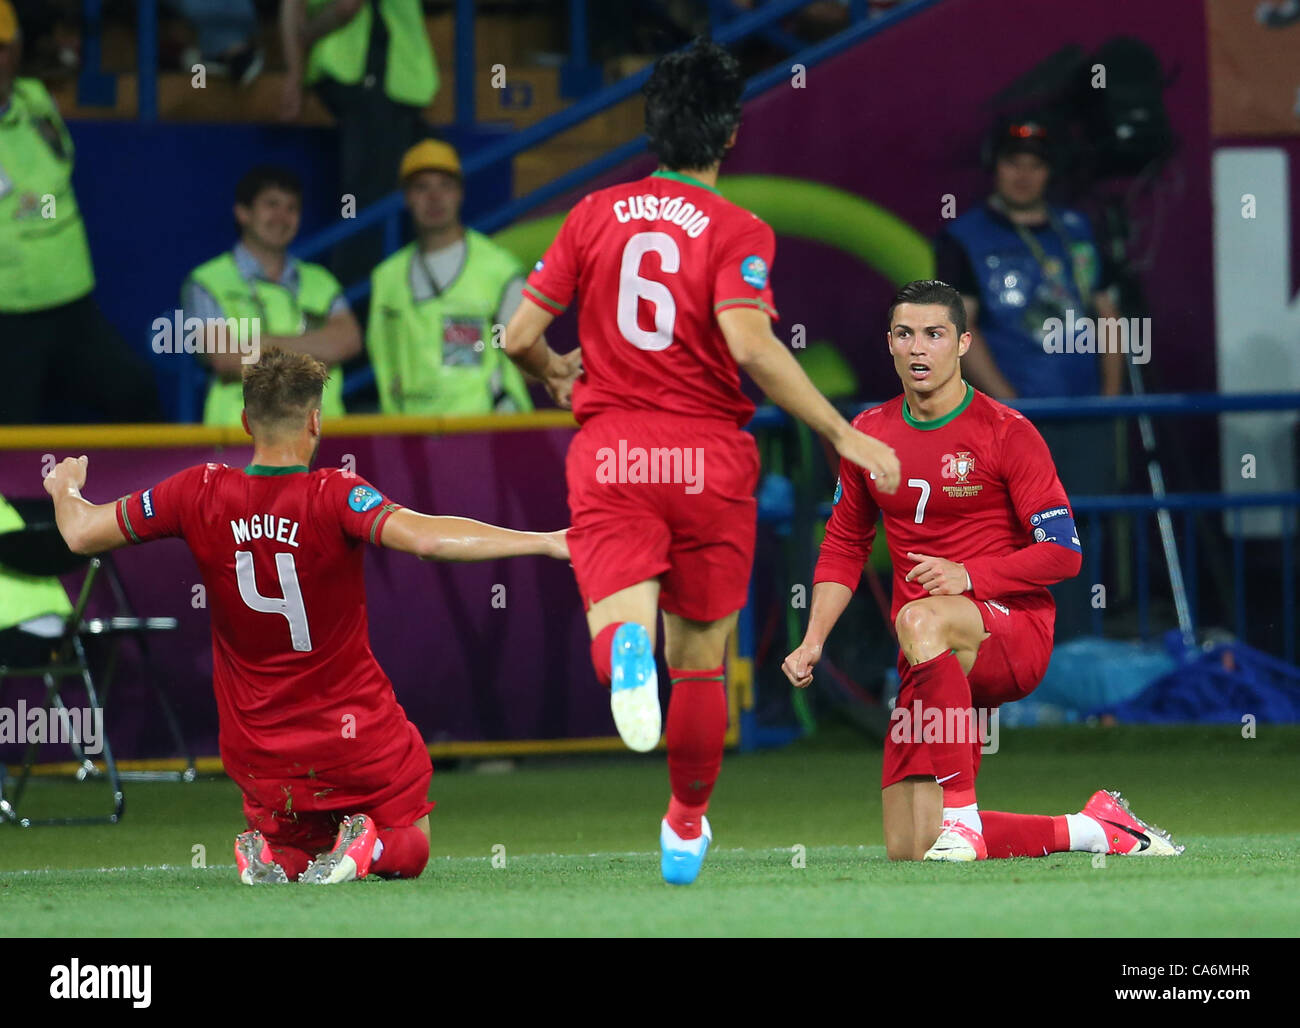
point(463, 539)
point(748, 332)
point(829, 599)
point(86, 527)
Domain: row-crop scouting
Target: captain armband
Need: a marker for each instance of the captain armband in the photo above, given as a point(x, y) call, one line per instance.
point(1056, 525)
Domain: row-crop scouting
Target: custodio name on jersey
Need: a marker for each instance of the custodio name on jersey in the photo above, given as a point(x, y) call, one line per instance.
point(676, 210)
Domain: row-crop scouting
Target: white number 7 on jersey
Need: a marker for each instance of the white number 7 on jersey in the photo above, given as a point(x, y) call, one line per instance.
point(289, 605)
point(924, 486)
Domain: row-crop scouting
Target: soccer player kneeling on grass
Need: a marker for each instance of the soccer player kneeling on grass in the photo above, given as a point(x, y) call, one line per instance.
point(979, 530)
point(674, 299)
point(280, 550)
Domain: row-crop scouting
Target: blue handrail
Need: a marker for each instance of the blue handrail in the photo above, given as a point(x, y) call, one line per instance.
point(147, 62)
point(1183, 501)
point(94, 88)
point(392, 205)
point(465, 62)
point(761, 82)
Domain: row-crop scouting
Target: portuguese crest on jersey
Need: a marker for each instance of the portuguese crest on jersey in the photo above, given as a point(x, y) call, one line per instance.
point(963, 464)
point(959, 465)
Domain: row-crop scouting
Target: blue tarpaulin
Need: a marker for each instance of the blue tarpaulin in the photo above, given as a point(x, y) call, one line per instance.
point(1223, 684)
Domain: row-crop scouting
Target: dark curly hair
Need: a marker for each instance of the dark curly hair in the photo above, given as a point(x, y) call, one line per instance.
point(692, 105)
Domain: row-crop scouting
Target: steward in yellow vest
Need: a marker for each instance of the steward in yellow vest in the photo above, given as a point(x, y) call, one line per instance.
point(410, 73)
point(59, 356)
point(438, 307)
point(290, 303)
point(370, 62)
point(44, 258)
point(26, 597)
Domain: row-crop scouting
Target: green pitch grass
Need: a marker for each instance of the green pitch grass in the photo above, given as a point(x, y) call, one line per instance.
point(580, 851)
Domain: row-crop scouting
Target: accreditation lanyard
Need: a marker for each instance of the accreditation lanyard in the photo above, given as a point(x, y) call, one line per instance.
point(1050, 265)
point(428, 273)
point(256, 297)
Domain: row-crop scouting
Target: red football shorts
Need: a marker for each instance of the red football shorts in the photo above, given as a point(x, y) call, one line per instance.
point(304, 813)
point(1009, 665)
point(658, 495)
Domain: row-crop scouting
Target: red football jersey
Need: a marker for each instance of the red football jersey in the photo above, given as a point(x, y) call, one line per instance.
point(281, 555)
point(977, 486)
point(652, 263)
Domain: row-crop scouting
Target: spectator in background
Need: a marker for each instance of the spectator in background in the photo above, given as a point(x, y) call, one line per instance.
point(438, 304)
point(59, 357)
point(51, 37)
point(300, 306)
point(227, 38)
point(371, 63)
point(1018, 261)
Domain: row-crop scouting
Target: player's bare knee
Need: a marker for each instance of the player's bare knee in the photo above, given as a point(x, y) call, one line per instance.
point(696, 645)
point(922, 631)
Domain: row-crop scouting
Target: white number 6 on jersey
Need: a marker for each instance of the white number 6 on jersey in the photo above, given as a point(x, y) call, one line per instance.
point(632, 287)
point(289, 605)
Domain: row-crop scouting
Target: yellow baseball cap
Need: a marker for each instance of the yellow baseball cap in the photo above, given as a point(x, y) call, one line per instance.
point(426, 155)
point(8, 22)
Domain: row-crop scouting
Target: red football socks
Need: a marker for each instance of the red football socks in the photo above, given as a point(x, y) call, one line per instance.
point(941, 685)
point(406, 851)
point(1024, 835)
point(696, 730)
point(601, 648)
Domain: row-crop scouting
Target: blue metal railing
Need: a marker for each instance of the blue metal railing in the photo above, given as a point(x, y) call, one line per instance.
point(1190, 504)
point(759, 83)
point(389, 210)
point(740, 28)
point(465, 60)
point(579, 77)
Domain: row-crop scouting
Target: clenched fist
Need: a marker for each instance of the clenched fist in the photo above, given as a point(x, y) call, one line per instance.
point(71, 471)
point(798, 666)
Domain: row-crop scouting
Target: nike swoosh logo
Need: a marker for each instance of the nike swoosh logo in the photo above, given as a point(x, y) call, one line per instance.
point(944, 779)
point(1141, 837)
